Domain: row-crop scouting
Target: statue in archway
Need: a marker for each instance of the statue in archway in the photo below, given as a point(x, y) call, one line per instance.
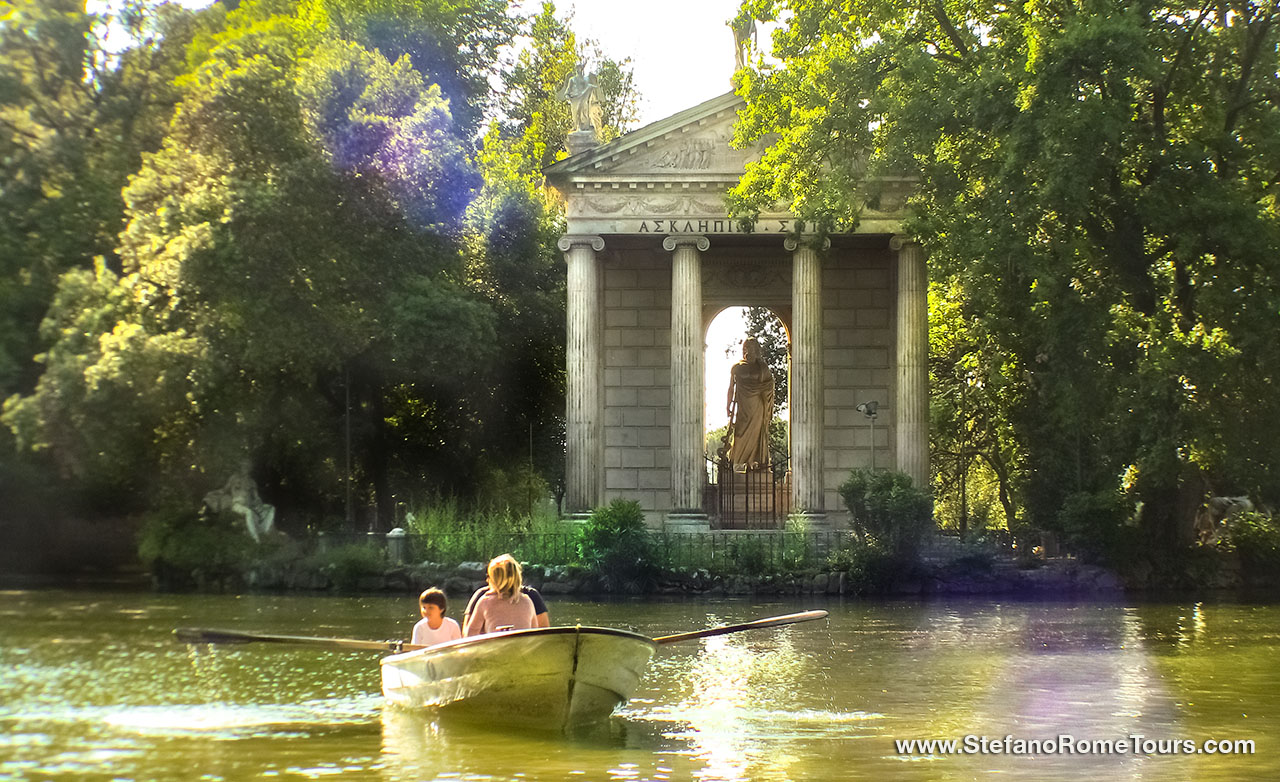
point(750, 407)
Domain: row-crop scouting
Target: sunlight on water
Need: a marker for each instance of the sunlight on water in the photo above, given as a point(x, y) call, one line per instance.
point(92, 686)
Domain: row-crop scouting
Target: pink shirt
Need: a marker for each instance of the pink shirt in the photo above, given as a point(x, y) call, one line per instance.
point(493, 611)
point(423, 635)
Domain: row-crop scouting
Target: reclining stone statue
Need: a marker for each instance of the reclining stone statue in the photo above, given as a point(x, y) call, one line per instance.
point(1216, 514)
point(240, 496)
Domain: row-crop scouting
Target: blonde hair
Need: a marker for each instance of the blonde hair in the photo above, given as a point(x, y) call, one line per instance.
point(505, 575)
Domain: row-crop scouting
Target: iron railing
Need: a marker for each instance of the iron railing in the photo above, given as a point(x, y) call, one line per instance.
point(751, 499)
point(742, 552)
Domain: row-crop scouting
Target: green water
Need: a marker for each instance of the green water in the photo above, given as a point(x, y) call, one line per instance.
point(92, 687)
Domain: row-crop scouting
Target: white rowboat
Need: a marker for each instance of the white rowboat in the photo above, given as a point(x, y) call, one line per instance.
point(550, 678)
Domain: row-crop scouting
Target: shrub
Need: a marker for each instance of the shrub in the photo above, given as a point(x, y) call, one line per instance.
point(614, 544)
point(868, 568)
point(1256, 539)
point(346, 565)
point(888, 510)
point(1093, 526)
point(185, 547)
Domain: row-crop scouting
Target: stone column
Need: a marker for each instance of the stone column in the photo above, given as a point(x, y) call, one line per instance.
point(911, 416)
point(807, 393)
point(584, 402)
point(688, 388)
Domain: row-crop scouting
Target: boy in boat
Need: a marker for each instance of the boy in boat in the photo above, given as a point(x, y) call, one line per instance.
point(504, 607)
point(435, 627)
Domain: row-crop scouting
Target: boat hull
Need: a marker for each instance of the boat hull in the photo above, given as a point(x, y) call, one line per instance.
point(553, 678)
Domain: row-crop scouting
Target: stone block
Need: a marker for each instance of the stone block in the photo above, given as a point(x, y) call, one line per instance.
point(654, 319)
point(637, 337)
point(842, 397)
point(646, 299)
point(655, 479)
point(638, 457)
point(621, 479)
point(851, 377)
point(654, 397)
point(639, 376)
point(871, 357)
point(839, 358)
point(621, 437)
point(654, 437)
point(614, 457)
point(838, 317)
point(620, 279)
point(874, 337)
point(653, 357)
point(621, 357)
point(612, 377)
point(839, 437)
point(620, 317)
point(613, 416)
point(612, 338)
point(871, 278)
point(639, 416)
point(622, 396)
point(662, 416)
point(872, 318)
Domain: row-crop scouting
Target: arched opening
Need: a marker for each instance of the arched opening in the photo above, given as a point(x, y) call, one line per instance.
point(748, 484)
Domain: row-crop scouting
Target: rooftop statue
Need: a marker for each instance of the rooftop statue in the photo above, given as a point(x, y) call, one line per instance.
point(744, 40)
point(583, 94)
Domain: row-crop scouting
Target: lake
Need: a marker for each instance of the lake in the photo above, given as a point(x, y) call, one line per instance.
point(93, 687)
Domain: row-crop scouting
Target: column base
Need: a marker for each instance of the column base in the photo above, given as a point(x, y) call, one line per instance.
point(686, 521)
point(814, 520)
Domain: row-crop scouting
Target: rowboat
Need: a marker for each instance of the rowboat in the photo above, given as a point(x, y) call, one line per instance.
point(554, 678)
point(550, 678)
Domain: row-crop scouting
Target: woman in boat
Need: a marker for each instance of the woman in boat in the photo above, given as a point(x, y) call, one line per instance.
point(505, 607)
point(541, 617)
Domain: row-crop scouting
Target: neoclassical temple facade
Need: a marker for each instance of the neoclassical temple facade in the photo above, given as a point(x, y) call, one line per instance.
point(653, 258)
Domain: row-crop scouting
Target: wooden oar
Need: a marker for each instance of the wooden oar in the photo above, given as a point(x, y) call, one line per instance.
point(198, 635)
point(771, 621)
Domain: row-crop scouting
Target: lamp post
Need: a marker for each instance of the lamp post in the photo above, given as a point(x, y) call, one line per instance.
point(869, 410)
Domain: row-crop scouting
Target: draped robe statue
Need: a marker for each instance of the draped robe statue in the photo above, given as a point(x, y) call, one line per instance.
point(240, 496)
point(750, 408)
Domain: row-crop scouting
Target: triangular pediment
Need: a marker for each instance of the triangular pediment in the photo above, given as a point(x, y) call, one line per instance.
point(694, 143)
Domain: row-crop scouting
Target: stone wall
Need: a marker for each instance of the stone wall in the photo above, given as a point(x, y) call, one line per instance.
point(858, 354)
point(637, 378)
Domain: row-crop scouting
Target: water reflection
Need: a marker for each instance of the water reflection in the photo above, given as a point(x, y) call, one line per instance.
point(93, 687)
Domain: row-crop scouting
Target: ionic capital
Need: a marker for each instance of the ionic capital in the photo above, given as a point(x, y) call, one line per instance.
point(679, 240)
point(569, 241)
point(792, 243)
point(901, 241)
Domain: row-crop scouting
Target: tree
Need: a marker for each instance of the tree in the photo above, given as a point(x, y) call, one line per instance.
point(1097, 192)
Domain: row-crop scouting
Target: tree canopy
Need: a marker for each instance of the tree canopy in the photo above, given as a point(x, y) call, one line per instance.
point(269, 230)
point(1097, 191)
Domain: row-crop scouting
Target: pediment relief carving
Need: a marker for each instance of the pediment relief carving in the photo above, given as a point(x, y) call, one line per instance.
point(701, 148)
